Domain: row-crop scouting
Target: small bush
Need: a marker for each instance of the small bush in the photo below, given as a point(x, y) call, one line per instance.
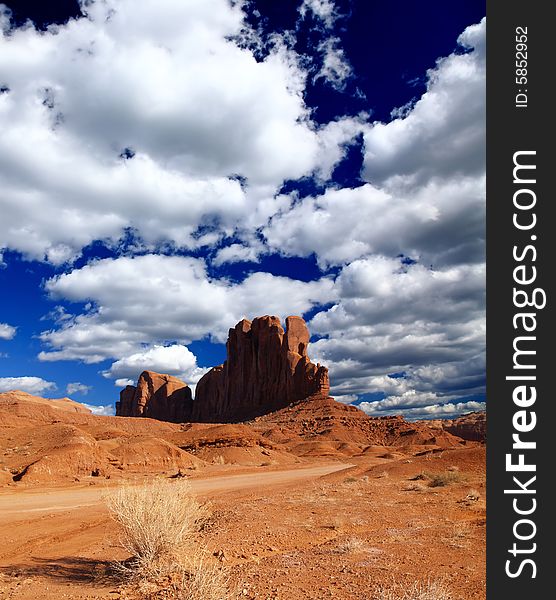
point(158, 519)
point(443, 479)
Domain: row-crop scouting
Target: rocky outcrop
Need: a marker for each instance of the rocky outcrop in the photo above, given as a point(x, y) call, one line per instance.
point(468, 427)
point(157, 396)
point(266, 369)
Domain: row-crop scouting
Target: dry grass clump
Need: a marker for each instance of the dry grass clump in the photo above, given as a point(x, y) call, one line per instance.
point(351, 546)
point(160, 524)
point(418, 590)
point(460, 534)
point(157, 520)
point(203, 580)
point(414, 487)
point(443, 479)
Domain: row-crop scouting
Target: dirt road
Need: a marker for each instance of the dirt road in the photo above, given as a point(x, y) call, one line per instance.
point(14, 504)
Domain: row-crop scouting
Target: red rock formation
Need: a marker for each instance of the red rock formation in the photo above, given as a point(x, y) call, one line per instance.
point(157, 396)
point(468, 427)
point(266, 369)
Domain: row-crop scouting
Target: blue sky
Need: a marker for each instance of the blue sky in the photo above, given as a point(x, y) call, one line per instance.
point(169, 167)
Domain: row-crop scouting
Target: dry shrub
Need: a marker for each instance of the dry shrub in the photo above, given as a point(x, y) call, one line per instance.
point(414, 487)
point(202, 580)
point(443, 479)
point(418, 590)
point(158, 520)
point(160, 524)
point(351, 546)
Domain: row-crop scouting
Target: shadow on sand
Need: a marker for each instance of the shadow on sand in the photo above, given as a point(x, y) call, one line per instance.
point(67, 569)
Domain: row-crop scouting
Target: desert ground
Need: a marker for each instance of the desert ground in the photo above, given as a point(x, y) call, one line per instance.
point(302, 505)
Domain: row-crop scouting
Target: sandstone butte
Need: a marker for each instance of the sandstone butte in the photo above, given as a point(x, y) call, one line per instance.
point(267, 368)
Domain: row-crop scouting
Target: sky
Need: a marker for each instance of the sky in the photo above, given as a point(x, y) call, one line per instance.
point(168, 167)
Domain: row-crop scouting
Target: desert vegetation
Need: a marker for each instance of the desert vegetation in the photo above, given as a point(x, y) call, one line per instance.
point(418, 590)
point(160, 525)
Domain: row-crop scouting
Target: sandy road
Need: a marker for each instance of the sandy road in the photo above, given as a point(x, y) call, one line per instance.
point(19, 504)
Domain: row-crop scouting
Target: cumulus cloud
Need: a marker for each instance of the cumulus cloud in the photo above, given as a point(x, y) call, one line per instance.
point(174, 360)
point(141, 116)
point(108, 410)
point(449, 410)
point(7, 332)
point(443, 135)
point(236, 253)
point(31, 385)
point(426, 179)
point(440, 223)
point(154, 299)
point(77, 388)
point(394, 318)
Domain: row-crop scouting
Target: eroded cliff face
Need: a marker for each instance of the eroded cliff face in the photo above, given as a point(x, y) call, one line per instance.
point(157, 396)
point(266, 369)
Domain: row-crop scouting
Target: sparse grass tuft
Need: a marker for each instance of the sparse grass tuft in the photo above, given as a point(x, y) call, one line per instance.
point(351, 546)
point(418, 590)
point(443, 479)
point(203, 580)
point(414, 487)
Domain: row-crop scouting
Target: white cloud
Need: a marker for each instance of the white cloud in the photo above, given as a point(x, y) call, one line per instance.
point(31, 385)
point(444, 134)
point(335, 68)
point(165, 80)
point(395, 318)
point(77, 388)
point(108, 410)
point(236, 253)
point(174, 360)
point(123, 382)
point(7, 332)
point(156, 299)
point(440, 223)
point(324, 11)
point(426, 179)
point(346, 399)
point(427, 411)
